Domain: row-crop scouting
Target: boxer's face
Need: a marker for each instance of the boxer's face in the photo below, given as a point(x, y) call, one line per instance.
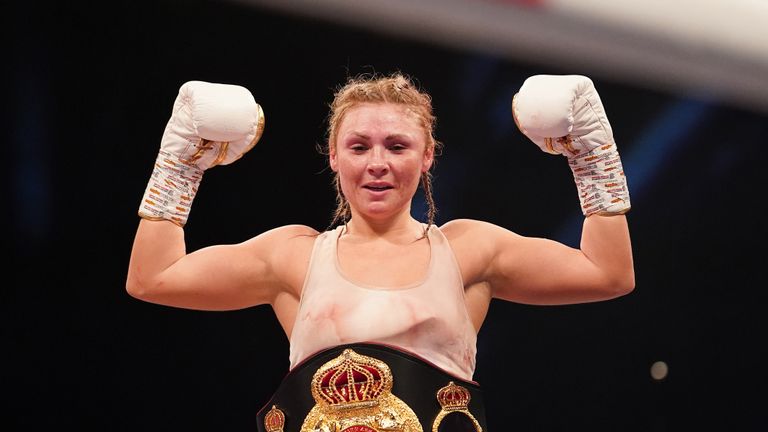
point(379, 156)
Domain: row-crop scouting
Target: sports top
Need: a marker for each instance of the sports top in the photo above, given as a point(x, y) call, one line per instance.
point(428, 318)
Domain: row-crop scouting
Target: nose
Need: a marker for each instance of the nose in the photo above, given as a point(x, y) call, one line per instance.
point(378, 169)
point(377, 164)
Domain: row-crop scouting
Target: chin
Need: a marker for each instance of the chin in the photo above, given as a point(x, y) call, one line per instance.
point(380, 210)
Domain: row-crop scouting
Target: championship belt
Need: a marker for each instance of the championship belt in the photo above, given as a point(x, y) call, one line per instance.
point(366, 387)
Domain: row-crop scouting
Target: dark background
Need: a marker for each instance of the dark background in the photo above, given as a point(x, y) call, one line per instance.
point(88, 90)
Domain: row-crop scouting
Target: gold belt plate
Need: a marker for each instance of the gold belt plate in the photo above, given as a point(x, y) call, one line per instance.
point(353, 393)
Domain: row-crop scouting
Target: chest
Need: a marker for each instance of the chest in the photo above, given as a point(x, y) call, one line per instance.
point(384, 264)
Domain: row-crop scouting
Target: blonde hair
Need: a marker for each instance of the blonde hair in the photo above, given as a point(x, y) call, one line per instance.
point(394, 88)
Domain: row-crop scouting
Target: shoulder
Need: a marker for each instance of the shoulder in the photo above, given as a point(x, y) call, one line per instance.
point(286, 239)
point(486, 251)
point(285, 251)
point(459, 226)
point(473, 231)
point(477, 244)
point(296, 231)
point(287, 232)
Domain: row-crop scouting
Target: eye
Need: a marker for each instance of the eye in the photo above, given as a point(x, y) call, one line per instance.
point(397, 147)
point(358, 148)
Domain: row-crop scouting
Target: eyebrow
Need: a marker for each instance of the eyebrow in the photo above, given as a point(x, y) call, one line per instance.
point(388, 138)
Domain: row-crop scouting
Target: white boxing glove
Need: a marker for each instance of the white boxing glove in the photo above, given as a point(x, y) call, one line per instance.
point(211, 124)
point(563, 114)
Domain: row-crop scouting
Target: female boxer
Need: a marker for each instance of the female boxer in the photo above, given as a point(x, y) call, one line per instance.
point(382, 311)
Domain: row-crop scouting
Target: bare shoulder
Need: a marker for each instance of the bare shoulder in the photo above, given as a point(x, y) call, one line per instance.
point(296, 231)
point(475, 245)
point(284, 239)
point(471, 230)
point(460, 227)
point(286, 251)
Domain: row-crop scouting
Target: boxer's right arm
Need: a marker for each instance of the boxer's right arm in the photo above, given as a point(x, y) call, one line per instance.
point(221, 277)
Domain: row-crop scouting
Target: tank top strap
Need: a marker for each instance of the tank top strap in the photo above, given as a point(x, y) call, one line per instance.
point(323, 255)
point(444, 256)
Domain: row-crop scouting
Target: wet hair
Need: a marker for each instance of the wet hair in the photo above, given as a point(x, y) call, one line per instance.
point(394, 88)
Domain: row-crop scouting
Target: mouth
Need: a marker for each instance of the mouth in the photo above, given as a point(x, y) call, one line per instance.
point(378, 187)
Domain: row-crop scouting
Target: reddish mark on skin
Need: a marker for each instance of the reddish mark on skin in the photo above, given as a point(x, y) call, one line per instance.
point(326, 317)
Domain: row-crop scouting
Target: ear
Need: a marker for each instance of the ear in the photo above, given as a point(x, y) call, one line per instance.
point(429, 158)
point(332, 159)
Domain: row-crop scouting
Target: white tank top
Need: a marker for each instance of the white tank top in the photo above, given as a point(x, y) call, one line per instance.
point(429, 318)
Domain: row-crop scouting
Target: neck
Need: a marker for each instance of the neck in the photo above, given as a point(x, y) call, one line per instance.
point(400, 226)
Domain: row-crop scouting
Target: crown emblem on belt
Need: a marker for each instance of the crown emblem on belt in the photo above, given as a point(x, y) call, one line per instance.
point(274, 420)
point(351, 380)
point(453, 397)
point(454, 401)
point(353, 393)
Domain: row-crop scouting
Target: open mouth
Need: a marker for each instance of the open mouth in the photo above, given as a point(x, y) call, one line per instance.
point(377, 188)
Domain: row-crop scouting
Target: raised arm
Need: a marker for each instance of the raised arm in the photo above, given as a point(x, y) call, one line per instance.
point(564, 115)
point(211, 124)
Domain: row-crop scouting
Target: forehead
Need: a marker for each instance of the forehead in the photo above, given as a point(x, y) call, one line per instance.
point(370, 117)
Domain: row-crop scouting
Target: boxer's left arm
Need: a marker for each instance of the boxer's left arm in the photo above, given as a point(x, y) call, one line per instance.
point(564, 115)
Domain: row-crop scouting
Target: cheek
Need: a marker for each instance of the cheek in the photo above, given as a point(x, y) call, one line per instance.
point(411, 173)
point(348, 172)
point(349, 166)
